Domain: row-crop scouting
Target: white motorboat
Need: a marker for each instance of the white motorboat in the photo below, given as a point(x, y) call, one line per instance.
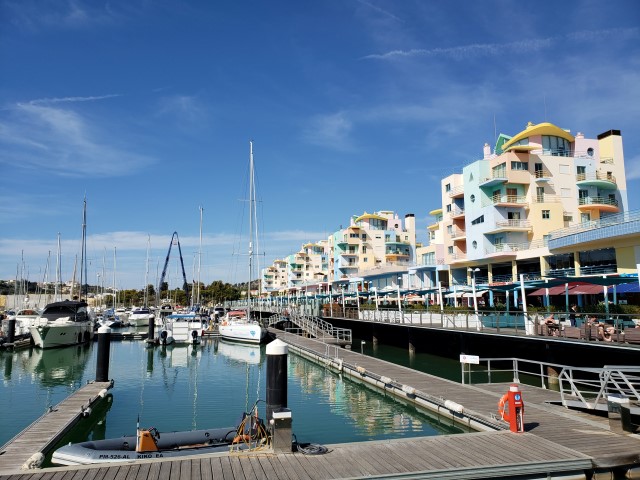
point(61, 324)
point(140, 317)
point(184, 328)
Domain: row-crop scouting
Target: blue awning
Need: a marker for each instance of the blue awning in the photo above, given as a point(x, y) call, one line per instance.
point(632, 287)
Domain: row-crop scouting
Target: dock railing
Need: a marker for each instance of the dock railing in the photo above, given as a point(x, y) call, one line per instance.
point(579, 387)
point(313, 326)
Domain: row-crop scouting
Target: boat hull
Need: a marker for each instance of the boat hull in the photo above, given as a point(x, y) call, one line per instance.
point(242, 332)
point(53, 334)
point(170, 445)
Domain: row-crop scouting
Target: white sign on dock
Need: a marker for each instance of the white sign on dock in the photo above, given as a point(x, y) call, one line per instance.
point(475, 359)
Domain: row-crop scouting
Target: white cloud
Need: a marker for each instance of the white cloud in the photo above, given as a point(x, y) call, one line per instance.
point(40, 135)
point(330, 131)
point(632, 167)
point(519, 47)
point(35, 15)
point(184, 108)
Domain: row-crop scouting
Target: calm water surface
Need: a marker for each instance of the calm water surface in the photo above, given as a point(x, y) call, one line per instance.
point(185, 387)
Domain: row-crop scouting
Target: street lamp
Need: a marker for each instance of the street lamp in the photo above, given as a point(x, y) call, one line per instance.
point(473, 288)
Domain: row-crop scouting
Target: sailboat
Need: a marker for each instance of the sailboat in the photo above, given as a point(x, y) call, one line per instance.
point(141, 316)
point(67, 322)
point(238, 325)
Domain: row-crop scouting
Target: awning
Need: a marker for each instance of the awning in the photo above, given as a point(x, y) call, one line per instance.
point(557, 290)
point(587, 290)
point(628, 288)
point(479, 293)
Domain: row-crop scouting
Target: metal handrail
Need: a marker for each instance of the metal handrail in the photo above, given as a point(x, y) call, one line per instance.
point(589, 387)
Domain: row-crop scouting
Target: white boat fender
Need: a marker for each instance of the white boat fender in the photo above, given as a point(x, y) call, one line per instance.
point(85, 411)
point(385, 380)
point(339, 360)
point(33, 462)
point(361, 370)
point(103, 393)
point(453, 406)
point(408, 390)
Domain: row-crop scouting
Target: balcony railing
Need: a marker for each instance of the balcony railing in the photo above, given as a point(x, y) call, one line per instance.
point(456, 191)
point(513, 224)
point(596, 176)
point(511, 199)
point(457, 233)
point(598, 201)
point(456, 212)
point(544, 173)
point(546, 198)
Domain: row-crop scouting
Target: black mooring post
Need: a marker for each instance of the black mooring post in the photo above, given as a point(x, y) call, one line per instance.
point(151, 330)
point(277, 352)
point(102, 366)
point(11, 334)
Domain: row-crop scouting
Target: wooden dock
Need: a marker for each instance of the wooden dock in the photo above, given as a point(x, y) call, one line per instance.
point(30, 445)
point(558, 443)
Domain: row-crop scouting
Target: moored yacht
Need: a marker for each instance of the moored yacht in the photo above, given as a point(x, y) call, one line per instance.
point(61, 324)
point(140, 317)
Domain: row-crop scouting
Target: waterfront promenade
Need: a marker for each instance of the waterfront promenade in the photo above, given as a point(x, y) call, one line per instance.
point(557, 441)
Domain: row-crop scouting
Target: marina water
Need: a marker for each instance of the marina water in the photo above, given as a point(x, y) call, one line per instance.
point(209, 385)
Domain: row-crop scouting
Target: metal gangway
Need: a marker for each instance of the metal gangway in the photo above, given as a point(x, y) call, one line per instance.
point(312, 326)
point(579, 387)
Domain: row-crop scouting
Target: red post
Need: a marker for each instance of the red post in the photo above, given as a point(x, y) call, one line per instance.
point(514, 414)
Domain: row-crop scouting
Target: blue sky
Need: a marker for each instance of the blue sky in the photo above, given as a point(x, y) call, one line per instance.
point(147, 107)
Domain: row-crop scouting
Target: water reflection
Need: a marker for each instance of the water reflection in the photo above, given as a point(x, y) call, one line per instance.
point(182, 387)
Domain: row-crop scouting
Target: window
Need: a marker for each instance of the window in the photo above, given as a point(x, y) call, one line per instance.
point(478, 220)
point(564, 169)
point(590, 151)
point(540, 194)
point(519, 165)
point(448, 208)
point(364, 249)
point(449, 229)
point(447, 187)
point(472, 198)
point(565, 192)
point(546, 214)
point(556, 146)
point(365, 259)
point(475, 244)
point(450, 250)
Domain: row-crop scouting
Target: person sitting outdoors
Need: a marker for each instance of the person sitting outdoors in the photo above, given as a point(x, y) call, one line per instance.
point(551, 325)
point(605, 331)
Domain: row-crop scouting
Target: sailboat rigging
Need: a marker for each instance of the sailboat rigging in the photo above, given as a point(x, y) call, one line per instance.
point(237, 324)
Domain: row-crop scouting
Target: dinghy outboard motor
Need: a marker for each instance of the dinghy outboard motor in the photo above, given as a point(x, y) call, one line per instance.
point(194, 336)
point(163, 337)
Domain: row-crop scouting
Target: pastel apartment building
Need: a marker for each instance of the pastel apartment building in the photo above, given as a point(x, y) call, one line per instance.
point(521, 209)
point(498, 214)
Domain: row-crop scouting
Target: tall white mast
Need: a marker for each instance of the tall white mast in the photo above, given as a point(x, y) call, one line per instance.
point(57, 297)
point(114, 280)
point(199, 258)
point(251, 220)
point(146, 275)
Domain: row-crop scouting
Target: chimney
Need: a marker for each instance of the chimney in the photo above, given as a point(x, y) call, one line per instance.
point(487, 151)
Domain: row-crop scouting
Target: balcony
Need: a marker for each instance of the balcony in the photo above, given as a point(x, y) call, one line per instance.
point(503, 250)
point(457, 192)
point(511, 226)
point(506, 201)
point(519, 176)
point(456, 213)
point(496, 178)
point(546, 198)
point(347, 266)
point(349, 253)
point(543, 175)
point(458, 234)
point(458, 257)
point(598, 203)
point(396, 254)
point(395, 241)
point(596, 179)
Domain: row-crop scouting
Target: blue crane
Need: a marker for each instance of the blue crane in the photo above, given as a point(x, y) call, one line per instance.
point(185, 286)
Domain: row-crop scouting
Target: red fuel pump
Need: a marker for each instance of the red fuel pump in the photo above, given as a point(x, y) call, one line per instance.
point(515, 412)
